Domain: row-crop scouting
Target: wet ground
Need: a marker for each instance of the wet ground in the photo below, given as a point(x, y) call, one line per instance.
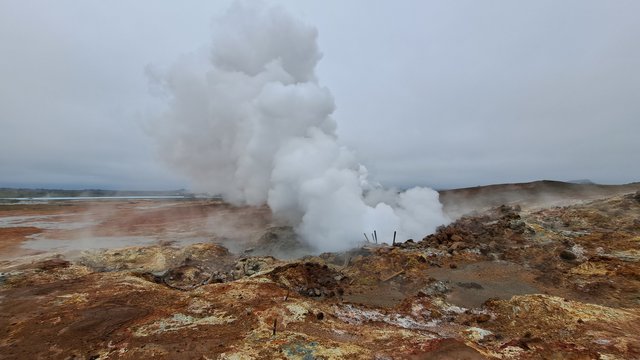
point(506, 283)
point(70, 226)
point(470, 285)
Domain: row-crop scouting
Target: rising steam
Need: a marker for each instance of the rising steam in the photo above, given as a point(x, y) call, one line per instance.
point(250, 122)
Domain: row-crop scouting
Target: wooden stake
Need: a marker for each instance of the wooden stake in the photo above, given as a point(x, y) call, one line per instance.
point(394, 275)
point(347, 261)
point(376, 235)
point(394, 238)
point(365, 237)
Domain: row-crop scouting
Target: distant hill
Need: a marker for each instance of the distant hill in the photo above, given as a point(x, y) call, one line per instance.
point(535, 194)
point(582, 181)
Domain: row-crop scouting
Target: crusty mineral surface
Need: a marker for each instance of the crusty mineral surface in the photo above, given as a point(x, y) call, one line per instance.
point(505, 283)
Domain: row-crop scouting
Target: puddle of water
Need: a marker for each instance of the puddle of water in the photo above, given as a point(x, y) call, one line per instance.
point(70, 198)
point(40, 243)
point(155, 206)
point(45, 222)
point(12, 221)
point(50, 225)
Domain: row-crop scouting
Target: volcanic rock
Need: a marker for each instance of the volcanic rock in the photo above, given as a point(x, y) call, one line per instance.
point(567, 255)
point(281, 241)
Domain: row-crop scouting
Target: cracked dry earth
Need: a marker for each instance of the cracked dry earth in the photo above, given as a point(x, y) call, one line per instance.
point(554, 283)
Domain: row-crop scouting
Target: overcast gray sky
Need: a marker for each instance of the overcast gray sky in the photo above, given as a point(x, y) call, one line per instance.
point(441, 93)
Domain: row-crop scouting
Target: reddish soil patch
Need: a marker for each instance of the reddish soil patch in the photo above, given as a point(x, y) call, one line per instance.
point(12, 237)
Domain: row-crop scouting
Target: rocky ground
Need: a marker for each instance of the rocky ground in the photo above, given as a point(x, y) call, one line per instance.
point(506, 283)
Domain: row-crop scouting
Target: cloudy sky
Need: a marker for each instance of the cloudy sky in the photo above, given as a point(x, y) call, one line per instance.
point(439, 93)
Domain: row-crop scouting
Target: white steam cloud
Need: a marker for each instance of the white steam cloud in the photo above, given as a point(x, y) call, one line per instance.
point(249, 121)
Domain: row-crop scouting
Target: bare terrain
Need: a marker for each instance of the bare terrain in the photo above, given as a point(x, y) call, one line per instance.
point(544, 270)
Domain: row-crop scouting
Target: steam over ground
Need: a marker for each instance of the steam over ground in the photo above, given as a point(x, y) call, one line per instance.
point(250, 121)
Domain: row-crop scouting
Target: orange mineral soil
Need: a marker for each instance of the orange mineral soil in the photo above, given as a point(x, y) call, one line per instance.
point(193, 279)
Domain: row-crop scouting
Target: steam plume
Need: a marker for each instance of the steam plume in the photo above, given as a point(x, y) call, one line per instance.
point(251, 122)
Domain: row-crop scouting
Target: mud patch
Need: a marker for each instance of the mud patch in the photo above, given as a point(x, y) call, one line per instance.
point(447, 349)
point(471, 285)
point(99, 322)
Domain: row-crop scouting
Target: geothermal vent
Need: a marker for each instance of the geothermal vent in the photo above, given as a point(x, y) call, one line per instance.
point(250, 121)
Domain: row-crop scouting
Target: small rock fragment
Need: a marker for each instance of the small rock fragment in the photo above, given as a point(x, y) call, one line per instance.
point(567, 255)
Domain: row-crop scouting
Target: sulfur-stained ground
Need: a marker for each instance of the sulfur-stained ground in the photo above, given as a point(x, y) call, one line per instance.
point(551, 283)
